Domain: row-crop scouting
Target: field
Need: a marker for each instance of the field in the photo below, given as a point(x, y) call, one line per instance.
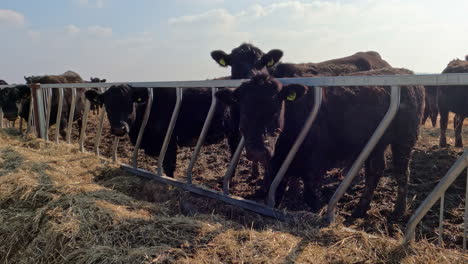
point(60, 206)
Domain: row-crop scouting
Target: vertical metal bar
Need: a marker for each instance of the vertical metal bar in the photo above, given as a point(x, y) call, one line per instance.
point(97, 141)
point(38, 111)
point(441, 219)
point(1, 118)
point(59, 115)
point(30, 115)
point(440, 188)
point(170, 129)
point(49, 109)
point(84, 123)
point(392, 111)
point(465, 220)
point(21, 125)
point(232, 166)
point(203, 134)
point(297, 144)
point(71, 115)
point(115, 146)
point(149, 104)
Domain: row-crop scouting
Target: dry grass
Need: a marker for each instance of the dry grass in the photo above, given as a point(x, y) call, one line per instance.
point(61, 206)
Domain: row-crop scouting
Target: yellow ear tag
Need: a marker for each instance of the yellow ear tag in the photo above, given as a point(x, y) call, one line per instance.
point(138, 100)
point(291, 96)
point(270, 63)
point(222, 62)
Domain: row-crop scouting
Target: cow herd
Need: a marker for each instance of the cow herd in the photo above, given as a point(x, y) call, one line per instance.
point(270, 115)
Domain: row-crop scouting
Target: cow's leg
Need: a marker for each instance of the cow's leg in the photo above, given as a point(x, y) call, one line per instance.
point(433, 116)
point(457, 126)
point(443, 127)
point(375, 166)
point(63, 128)
point(170, 159)
point(312, 180)
point(425, 115)
point(401, 156)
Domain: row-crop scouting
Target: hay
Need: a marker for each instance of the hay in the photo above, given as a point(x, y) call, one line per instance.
point(61, 206)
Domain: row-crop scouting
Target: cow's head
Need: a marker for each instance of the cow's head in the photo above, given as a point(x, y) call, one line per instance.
point(246, 60)
point(2, 82)
point(120, 102)
point(261, 106)
point(14, 100)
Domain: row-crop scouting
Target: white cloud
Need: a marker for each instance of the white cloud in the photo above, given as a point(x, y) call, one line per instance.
point(10, 17)
point(100, 31)
point(72, 29)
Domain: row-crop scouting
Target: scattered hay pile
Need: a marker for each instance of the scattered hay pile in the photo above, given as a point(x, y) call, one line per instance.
point(60, 206)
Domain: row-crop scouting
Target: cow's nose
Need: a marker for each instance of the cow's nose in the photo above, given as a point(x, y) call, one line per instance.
point(120, 130)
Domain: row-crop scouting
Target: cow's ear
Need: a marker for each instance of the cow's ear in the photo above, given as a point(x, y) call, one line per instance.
point(94, 97)
point(221, 58)
point(271, 58)
point(226, 96)
point(293, 92)
point(139, 95)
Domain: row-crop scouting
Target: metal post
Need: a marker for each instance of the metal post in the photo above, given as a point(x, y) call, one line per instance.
point(149, 104)
point(30, 115)
point(59, 115)
point(115, 146)
point(38, 106)
point(49, 109)
point(203, 133)
point(441, 219)
point(392, 111)
point(83, 126)
point(295, 148)
point(232, 166)
point(440, 188)
point(170, 129)
point(465, 220)
point(97, 141)
point(71, 115)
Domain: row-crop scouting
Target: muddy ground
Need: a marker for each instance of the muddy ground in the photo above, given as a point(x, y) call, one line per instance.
point(429, 164)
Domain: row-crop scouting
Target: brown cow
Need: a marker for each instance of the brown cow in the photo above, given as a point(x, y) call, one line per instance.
point(453, 99)
point(347, 119)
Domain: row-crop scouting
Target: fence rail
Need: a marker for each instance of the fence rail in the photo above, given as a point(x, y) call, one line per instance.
point(394, 81)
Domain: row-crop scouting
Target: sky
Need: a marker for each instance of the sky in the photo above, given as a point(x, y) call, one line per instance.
point(156, 40)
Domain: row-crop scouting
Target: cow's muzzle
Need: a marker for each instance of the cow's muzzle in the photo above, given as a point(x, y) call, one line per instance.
point(120, 130)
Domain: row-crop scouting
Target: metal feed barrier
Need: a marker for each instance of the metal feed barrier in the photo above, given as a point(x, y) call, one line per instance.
point(42, 95)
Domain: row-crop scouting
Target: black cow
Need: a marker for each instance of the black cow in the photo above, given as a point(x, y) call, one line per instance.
point(247, 60)
point(347, 119)
point(430, 107)
point(11, 99)
point(453, 99)
point(125, 107)
point(96, 107)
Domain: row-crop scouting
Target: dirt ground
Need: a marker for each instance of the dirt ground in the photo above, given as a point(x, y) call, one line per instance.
point(429, 164)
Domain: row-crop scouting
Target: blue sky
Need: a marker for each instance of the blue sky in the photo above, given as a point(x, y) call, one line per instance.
point(151, 40)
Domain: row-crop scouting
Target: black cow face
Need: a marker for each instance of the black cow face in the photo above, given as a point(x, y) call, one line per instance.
point(14, 101)
point(261, 105)
point(120, 102)
point(247, 60)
